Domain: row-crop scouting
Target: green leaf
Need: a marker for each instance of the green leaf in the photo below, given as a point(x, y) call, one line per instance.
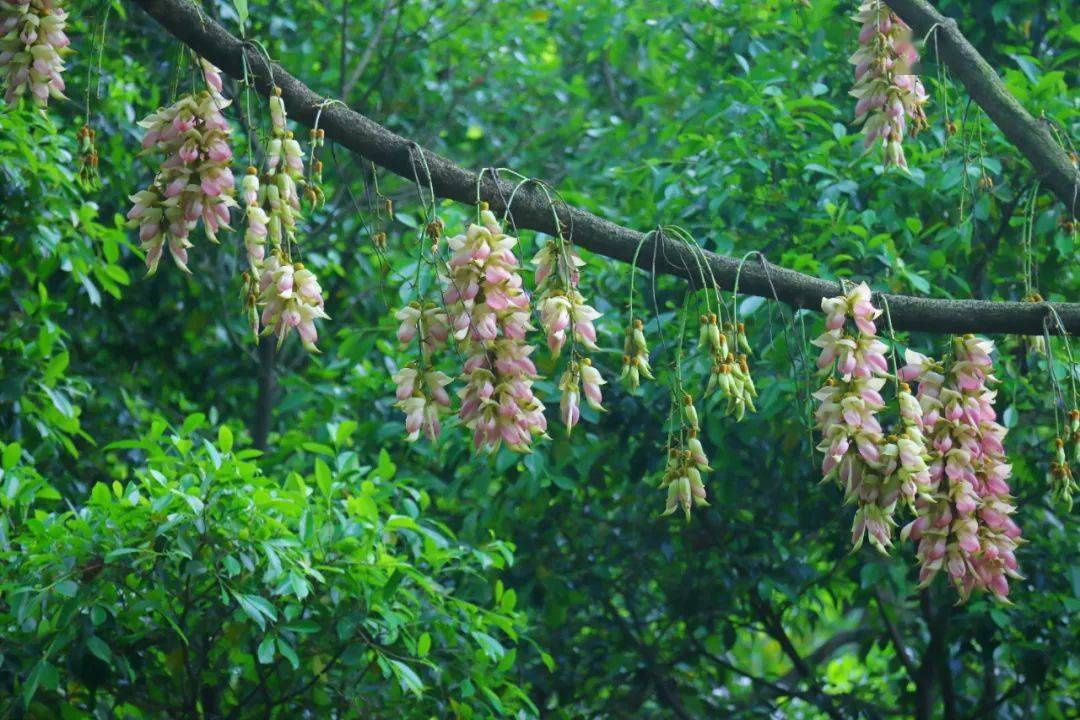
point(256, 608)
point(491, 647)
point(407, 677)
point(98, 647)
point(423, 645)
point(266, 650)
point(225, 438)
point(32, 681)
point(192, 423)
point(12, 452)
point(241, 14)
point(287, 651)
point(67, 588)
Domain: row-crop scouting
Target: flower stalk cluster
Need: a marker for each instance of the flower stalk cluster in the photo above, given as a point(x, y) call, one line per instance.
point(564, 314)
point(421, 389)
point(291, 299)
point(686, 462)
point(730, 373)
point(488, 313)
point(890, 97)
point(194, 181)
point(88, 158)
point(963, 525)
point(287, 292)
point(857, 453)
point(635, 359)
point(32, 42)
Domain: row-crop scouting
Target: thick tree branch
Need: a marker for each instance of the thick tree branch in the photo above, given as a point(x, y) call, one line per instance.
point(531, 210)
point(1033, 137)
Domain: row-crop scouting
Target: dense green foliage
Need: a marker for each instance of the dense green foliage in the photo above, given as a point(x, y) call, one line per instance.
point(157, 564)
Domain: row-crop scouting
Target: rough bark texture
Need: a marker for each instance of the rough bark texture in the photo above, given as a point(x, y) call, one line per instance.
point(531, 210)
point(1033, 137)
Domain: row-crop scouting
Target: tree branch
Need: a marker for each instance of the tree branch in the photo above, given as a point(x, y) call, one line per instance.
point(531, 209)
point(1032, 137)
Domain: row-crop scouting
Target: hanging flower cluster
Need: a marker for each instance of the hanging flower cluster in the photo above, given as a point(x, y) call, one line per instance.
point(288, 293)
point(291, 298)
point(32, 40)
point(635, 359)
point(564, 313)
point(1062, 481)
point(278, 194)
point(193, 181)
point(730, 374)
point(489, 314)
point(579, 375)
point(686, 462)
point(963, 525)
point(421, 392)
point(422, 396)
point(857, 454)
point(88, 158)
point(890, 97)
point(562, 306)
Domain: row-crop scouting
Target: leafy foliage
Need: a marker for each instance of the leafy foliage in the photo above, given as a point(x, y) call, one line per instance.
point(156, 564)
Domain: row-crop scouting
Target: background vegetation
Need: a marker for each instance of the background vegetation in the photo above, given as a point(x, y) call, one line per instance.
point(196, 527)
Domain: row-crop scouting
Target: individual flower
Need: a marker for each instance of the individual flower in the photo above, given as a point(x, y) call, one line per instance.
point(32, 42)
point(488, 312)
point(890, 98)
point(291, 298)
point(193, 182)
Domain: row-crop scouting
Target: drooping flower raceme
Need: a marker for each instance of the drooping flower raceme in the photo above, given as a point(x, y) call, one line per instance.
point(565, 314)
point(32, 41)
point(421, 390)
point(194, 181)
point(422, 396)
point(579, 376)
point(635, 360)
point(278, 193)
point(686, 461)
point(890, 97)
point(965, 526)
point(856, 452)
point(489, 314)
point(563, 309)
point(730, 374)
point(291, 298)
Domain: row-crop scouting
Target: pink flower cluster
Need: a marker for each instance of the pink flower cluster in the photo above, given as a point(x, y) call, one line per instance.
point(421, 394)
point(291, 299)
point(890, 98)
point(856, 451)
point(562, 306)
point(489, 313)
point(579, 376)
point(963, 524)
point(563, 313)
point(423, 398)
point(32, 39)
point(194, 180)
